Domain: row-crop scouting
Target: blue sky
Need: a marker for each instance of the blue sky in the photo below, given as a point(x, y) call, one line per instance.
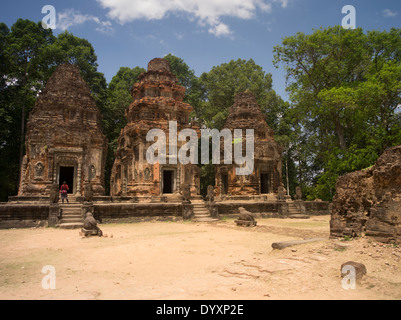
point(205, 33)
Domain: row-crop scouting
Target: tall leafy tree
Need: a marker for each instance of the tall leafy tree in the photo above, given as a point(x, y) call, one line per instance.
point(69, 48)
point(194, 94)
point(223, 82)
point(345, 93)
point(26, 72)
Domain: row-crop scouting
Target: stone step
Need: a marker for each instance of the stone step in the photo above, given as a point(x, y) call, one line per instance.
point(299, 216)
point(205, 219)
point(74, 225)
point(71, 209)
point(70, 220)
point(201, 210)
point(202, 215)
point(72, 216)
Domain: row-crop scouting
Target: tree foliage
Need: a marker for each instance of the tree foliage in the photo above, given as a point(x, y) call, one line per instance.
point(345, 92)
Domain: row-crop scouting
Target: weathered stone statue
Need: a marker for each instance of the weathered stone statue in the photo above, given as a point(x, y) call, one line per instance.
point(245, 218)
point(210, 194)
point(281, 193)
point(90, 226)
point(210, 204)
point(88, 192)
point(54, 194)
point(298, 193)
point(186, 193)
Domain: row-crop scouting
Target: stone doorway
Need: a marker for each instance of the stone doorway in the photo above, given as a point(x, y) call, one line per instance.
point(168, 181)
point(264, 183)
point(224, 183)
point(67, 174)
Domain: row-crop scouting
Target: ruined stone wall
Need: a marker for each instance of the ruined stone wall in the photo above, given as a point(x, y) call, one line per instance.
point(369, 201)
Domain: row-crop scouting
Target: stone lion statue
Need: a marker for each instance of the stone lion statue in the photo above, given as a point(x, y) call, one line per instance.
point(88, 192)
point(298, 193)
point(245, 218)
point(90, 226)
point(245, 215)
point(54, 194)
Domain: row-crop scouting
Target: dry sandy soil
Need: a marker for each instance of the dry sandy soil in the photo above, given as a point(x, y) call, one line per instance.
point(186, 260)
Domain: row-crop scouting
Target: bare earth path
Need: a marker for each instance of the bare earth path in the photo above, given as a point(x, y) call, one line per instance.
point(185, 260)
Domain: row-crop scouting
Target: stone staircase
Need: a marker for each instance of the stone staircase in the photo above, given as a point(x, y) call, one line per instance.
point(294, 211)
point(201, 213)
point(71, 214)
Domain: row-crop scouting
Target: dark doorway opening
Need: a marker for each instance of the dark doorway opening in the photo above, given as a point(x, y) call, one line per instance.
point(168, 181)
point(264, 183)
point(67, 175)
point(224, 181)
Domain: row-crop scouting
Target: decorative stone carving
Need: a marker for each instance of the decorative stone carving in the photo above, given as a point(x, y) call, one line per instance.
point(39, 170)
point(92, 172)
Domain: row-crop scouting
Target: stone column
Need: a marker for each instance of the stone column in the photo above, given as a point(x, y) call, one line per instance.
point(79, 175)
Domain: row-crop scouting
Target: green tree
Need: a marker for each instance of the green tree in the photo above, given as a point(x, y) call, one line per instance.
point(114, 120)
point(25, 72)
point(223, 82)
point(194, 95)
point(69, 48)
point(344, 87)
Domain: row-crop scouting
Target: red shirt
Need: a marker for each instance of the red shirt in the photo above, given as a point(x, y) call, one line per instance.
point(64, 188)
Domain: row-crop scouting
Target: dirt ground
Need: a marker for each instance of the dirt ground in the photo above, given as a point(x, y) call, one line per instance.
point(187, 260)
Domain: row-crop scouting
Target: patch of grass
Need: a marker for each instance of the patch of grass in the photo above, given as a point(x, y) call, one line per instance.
point(347, 238)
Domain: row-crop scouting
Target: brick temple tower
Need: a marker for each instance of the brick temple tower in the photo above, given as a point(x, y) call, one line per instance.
point(158, 101)
point(64, 139)
point(265, 179)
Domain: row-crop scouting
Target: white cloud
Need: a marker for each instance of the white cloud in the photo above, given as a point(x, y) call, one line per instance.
point(387, 13)
point(70, 17)
point(206, 12)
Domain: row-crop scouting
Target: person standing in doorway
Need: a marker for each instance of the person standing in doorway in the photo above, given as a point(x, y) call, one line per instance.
point(64, 191)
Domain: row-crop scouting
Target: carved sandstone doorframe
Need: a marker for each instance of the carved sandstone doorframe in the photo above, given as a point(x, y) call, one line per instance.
point(72, 161)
